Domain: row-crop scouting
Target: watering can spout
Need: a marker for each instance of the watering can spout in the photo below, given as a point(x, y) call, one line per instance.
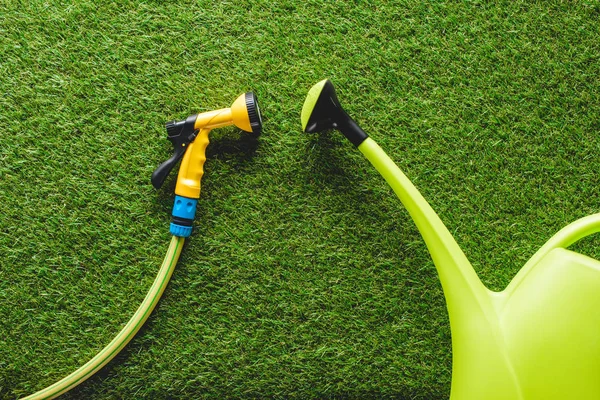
point(472, 308)
point(462, 287)
point(322, 111)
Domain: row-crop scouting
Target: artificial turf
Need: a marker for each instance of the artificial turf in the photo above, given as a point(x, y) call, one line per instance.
point(304, 277)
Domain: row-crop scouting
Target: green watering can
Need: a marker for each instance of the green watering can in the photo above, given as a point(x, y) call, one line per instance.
point(537, 339)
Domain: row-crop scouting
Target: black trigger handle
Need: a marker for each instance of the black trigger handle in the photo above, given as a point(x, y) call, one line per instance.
point(180, 134)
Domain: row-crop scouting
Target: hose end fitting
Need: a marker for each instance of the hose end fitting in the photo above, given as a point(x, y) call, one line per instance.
point(184, 211)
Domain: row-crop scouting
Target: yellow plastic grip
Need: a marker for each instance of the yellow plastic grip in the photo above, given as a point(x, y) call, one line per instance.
point(192, 167)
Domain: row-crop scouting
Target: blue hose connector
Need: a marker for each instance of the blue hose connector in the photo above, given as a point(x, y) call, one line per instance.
point(184, 211)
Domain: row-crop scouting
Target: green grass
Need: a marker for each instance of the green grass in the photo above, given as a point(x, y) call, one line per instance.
point(304, 277)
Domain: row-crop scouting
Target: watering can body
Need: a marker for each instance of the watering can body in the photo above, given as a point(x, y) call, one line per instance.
point(540, 338)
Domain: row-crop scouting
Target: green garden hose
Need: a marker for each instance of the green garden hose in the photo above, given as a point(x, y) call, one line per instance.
point(126, 334)
point(189, 138)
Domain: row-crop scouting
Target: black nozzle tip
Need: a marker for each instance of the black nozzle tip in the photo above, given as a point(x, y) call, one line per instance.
point(321, 108)
point(254, 113)
point(322, 111)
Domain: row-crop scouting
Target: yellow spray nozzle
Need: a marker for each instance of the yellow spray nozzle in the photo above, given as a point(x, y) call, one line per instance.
point(243, 113)
point(190, 139)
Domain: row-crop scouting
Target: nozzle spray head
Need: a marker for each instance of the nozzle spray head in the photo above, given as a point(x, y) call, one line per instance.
point(246, 113)
point(323, 111)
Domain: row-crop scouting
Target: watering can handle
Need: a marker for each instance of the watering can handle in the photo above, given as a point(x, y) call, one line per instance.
point(568, 235)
